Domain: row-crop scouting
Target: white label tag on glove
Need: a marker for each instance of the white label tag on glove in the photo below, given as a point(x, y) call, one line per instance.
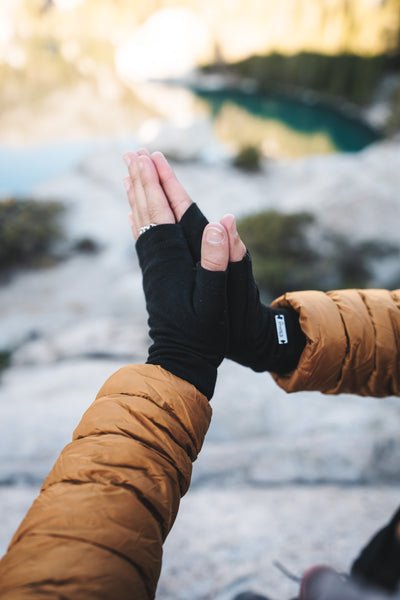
point(281, 329)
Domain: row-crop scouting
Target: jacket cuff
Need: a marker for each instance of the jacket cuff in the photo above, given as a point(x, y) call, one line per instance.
point(320, 364)
point(188, 407)
point(193, 369)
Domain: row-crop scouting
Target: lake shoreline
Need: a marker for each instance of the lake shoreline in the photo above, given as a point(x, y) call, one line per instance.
point(217, 78)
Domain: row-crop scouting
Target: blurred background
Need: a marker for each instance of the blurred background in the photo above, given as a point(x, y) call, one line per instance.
point(284, 112)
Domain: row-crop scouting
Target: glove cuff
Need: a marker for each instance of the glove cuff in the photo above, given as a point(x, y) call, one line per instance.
point(281, 342)
point(191, 368)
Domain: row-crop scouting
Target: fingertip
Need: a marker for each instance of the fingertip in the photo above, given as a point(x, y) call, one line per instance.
point(162, 165)
point(159, 156)
point(143, 152)
point(228, 221)
point(237, 248)
point(215, 248)
point(127, 158)
point(146, 168)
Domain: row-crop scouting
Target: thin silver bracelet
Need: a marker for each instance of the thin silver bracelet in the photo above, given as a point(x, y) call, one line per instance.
point(146, 227)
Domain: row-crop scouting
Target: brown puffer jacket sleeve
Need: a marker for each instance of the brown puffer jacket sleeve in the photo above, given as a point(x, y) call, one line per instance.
point(353, 342)
point(97, 528)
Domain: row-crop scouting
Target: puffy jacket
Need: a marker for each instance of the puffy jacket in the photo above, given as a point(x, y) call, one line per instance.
point(97, 528)
point(353, 342)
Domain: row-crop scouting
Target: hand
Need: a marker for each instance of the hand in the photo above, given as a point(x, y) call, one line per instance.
point(253, 329)
point(186, 300)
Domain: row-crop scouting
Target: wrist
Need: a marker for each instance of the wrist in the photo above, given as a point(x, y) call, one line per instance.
point(282, 340)
point(192, 368)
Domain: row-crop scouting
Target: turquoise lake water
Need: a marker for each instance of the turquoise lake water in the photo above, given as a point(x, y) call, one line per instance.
point(345, 133)
point(21, 168)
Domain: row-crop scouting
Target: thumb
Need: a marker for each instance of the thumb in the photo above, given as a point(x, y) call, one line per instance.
point(237, 249)
point(209, 294)
point(215, 248)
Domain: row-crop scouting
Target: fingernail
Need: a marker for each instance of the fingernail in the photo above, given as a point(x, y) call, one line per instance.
point(127, 183)
point(214, 235)
point(128, 159)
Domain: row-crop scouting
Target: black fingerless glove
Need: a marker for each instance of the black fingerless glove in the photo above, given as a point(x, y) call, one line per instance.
point(378, 563)
point(187, 308)
point(260, 337)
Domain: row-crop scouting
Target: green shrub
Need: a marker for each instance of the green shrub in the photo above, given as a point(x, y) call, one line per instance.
point(5, 359)
point(290, 252)
point(347, 76)
point(29, 231)
point(248, 159)
point(347, 264)
point(282, 255)
point(86, 245)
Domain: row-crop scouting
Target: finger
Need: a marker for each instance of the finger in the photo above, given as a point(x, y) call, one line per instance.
point(137, 194)
point(209, 294)
point(242, 294)
point(186, 212)
point(136, 224)
point(193, 223)
point(158, 209)
point(143, 152)
point(129, 191)
point(237, 249)
point(133, 227)
point(243, 297)
point(178, 198)
point(215, 248)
